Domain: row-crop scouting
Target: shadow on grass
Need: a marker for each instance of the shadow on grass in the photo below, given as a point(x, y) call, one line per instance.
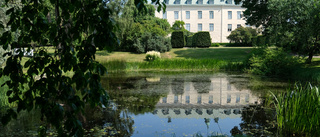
point(234, 54)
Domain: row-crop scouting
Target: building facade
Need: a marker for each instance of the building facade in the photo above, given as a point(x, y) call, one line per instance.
point(218, 17)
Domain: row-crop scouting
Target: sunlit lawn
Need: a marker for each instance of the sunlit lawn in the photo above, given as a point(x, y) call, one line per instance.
point(223, 53)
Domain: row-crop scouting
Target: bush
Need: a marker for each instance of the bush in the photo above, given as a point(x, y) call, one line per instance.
point(242, 35)
point(237, 45)
point(177, 39)
point(261, 41)
point(147, 42)
point(271, 62)
point(215, 44)
point(201, 40)
point(189, 41)
point(254, 41)
point(152, 55)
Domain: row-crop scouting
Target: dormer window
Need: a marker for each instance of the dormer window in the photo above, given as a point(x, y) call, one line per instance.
point(200, 2)
point(210, 1)
point(177, 1)
point(228, 1)
point(188, 1)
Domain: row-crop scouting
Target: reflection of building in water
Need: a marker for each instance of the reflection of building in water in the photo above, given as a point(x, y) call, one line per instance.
point(221, 97)
point(198, 113)
point(221, 93)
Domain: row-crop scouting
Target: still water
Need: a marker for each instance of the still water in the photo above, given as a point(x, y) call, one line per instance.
point(175, 104)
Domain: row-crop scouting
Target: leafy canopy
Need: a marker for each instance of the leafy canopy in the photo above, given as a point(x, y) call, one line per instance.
point(76, 29)
point(294, 22)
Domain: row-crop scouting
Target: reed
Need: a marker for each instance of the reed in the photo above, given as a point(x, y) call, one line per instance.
point(174, 64)
point(298, 111)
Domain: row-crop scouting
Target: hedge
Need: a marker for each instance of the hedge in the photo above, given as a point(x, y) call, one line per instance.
point(201, 39)
point(177, 39)
point(189, 41)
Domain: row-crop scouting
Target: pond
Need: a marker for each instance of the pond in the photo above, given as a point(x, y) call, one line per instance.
point(175, 104)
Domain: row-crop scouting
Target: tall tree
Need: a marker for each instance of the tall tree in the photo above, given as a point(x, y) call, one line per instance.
point(294, 21)
point(77, 29)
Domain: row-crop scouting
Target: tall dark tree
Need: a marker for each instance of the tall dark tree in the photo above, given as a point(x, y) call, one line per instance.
point(293, 21)
point(76, 30)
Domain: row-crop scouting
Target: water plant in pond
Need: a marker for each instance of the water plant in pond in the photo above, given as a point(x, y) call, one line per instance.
point(298, 110)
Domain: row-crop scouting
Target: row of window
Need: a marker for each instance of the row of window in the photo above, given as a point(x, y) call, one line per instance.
point(211, 15)
point(198, 1)
point(211, 26)
point(199, 99)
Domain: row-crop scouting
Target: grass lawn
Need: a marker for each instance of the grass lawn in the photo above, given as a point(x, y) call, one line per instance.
point(221, 53)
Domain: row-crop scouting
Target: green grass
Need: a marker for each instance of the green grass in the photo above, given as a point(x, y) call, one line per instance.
point(298, 111)
point(4, 103)
point(221, 53)
point(190, 59)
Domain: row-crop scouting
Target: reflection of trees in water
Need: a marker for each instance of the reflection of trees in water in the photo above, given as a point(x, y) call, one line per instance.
point(259, 86)
point(26, 124)
point(201, 84)
point(109, 121)
point(137, 94)
point(258, 121)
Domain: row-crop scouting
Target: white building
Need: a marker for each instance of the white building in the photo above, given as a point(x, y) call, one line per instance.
point(219, 17)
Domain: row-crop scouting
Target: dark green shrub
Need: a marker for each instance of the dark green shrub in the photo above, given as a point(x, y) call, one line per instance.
point(261, 41)
point(177, 39)
point(215, 44)
point(189, 41)
point(201, 39)
point(237, 45)
point(148, 42)
point(254, 41)
point(167, 42)
point(271, 62)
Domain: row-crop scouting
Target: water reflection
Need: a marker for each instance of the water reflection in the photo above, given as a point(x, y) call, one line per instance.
point(184, 104)
point(182, 100)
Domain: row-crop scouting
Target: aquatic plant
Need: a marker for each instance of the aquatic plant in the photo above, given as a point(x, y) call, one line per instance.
point(298, 110)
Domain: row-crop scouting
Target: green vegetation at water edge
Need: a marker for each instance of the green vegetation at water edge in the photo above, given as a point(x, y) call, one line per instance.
point(174, 64)
point(298, 111)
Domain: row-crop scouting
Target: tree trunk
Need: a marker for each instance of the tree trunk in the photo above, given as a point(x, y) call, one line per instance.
point(308, 61)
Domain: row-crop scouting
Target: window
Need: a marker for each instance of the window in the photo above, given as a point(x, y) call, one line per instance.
point(176, 14)
point(238, 15)
point(210, 1)
point(188, 26)
point(187, 14)
point(229, 14)
point(199, 99)
point(187, 99)
point(229, 27)
point(166, 1)
point(228, 98)
point(176, 99)
point(211, 16)
point(211, 27)
point(188, 1)
point(199, 14)
point(210, 99)
point(221, 0)
point(199, 27)
point(164, 100)
point(238, 25)
point(177, 1)
point(164, 15)
point(229, 2)
point(200, 2)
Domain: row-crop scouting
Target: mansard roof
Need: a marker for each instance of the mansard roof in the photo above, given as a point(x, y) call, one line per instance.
point(199, 2)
